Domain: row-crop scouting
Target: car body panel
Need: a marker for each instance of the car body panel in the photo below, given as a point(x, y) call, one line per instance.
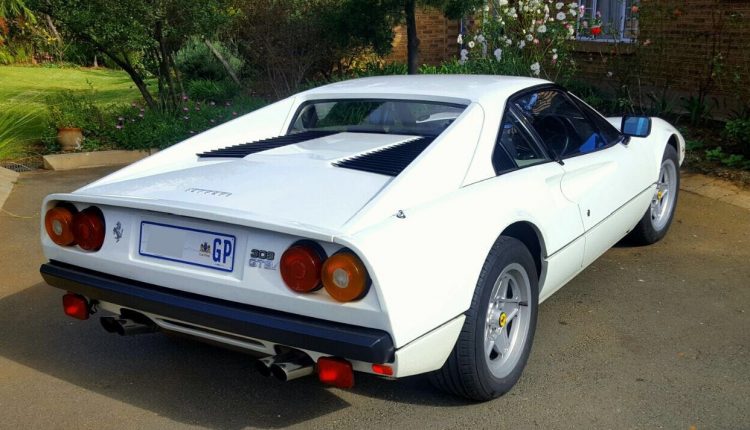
point(423, 235)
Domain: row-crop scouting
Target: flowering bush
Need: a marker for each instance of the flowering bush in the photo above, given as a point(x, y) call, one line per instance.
point(526, 37)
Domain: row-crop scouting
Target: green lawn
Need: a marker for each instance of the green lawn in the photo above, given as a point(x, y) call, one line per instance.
point(23, 91)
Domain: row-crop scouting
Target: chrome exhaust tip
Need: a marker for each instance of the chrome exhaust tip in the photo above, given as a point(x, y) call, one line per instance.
point(125, 327)
point(263, 365)
point(291, 366)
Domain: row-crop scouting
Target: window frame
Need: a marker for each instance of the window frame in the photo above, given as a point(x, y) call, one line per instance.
point(571, 99)
point(527, 131)
point(621, 24)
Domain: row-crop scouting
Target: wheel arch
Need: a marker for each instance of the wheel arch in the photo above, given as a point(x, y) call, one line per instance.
point(529, 234)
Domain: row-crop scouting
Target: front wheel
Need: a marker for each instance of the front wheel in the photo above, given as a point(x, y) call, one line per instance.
point(658, 217)
point(495, 342)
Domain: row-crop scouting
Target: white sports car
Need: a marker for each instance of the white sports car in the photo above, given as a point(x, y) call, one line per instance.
point(392, 225)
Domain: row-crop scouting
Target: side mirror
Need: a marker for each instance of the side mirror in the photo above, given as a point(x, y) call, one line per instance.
point(636, 126)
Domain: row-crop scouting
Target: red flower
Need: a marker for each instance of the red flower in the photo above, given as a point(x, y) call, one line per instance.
point(596, 31)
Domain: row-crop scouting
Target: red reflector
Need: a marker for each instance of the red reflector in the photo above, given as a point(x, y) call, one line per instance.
point(335, 371)
point(382, 369)
point(76, 306)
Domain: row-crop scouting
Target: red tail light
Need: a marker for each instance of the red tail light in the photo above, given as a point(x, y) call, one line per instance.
point(300, 267)
point(76, 306)
point(58, 222)
point(89, 228)
point(335, 371)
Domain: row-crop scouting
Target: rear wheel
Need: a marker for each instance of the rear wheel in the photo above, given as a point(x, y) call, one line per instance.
point(495, 342)
point(658, 217)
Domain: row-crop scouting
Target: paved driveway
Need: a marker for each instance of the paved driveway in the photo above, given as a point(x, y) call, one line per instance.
point(653, 337)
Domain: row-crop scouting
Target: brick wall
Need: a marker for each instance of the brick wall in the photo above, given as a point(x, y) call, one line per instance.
point(677, 35)
point(437, 36)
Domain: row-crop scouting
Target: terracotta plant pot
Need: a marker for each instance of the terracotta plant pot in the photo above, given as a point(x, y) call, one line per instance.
point(69, 138)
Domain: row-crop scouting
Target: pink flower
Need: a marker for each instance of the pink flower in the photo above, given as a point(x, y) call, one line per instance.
point(186, 117)
point(186, 109)
point(634, 9)
point(536, 41)
point(118, 126)
point(646, 42)
point(133, 104)
point(184, 97)
point(213, 103)
point(140, 115)
point(197, 108)
point(234, 113)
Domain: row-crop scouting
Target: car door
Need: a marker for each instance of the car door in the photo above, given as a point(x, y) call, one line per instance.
point(524, 164)
point(602, 173)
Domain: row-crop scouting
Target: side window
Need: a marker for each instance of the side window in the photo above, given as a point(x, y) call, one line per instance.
point(561, 124)
point(610, 133)
point(514, 147)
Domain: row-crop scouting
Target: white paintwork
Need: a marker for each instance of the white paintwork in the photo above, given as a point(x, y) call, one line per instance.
point(424, 264)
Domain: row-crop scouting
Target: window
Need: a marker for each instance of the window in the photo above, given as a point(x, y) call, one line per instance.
point(608, 20)
point(514, 147)
point(561, 125)
point(422, 118)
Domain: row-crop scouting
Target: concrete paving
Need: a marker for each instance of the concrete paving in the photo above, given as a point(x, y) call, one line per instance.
point(650, 337)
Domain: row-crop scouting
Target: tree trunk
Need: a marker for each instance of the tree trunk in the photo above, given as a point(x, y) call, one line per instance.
point(412, 41)
point(223, 61)
point(134, 76)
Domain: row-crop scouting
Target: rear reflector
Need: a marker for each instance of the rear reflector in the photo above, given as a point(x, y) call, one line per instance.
point(76, 306)
point(382, 369)
point(335, 371)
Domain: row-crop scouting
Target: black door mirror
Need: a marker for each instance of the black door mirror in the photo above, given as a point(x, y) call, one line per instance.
point(636, 126)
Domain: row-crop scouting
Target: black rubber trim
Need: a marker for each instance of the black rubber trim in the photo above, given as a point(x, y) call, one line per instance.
point(343, 340)
point(245, 149)
point(389, 161)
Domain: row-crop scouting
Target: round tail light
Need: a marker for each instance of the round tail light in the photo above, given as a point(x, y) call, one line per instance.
point(345, 277)
point(300, 267)
point(89, 228)
point(58, 222)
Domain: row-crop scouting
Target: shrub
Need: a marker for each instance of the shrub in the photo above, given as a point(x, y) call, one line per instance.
point(208, 90)
point(195, 61)
point(135, 127)
point(14, 124)
point(738, 132)
point(522, 38)
point(76, 109)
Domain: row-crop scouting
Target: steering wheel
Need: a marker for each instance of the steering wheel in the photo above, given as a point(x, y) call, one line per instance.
point(554, 132)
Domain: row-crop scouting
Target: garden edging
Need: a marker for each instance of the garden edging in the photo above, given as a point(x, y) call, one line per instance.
point(7, 179)
point(84, 160)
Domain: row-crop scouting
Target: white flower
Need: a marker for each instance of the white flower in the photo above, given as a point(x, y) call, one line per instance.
point(509, 41)
point(542, 29)
point(480, 39)
point(573, 5)
point(521, 44)
point(464, 56)
point(529, 37)
point(609, 74)
point(554, 56)
point(560, 16)
point(464, 52)
point(512, 11)
point(471, 44)
point(535, 69)
point(573, 12)
point(559, 5)
point(554, 50)
point(502, 3)
point(498, 54)
point(460, 39)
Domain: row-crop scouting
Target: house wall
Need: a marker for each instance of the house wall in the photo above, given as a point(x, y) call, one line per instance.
point(677, 40)
point(437, 36)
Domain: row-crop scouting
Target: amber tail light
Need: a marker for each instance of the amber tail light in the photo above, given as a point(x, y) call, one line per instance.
point(345, 277)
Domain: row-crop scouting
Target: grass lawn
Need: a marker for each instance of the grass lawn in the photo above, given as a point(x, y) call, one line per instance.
point(23, 90)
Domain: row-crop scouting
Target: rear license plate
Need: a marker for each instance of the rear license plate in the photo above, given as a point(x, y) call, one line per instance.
point(187, 245)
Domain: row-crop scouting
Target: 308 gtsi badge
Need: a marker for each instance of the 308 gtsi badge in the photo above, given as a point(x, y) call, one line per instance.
point(324, 252)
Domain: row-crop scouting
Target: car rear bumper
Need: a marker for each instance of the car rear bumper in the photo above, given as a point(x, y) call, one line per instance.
point(343, 340)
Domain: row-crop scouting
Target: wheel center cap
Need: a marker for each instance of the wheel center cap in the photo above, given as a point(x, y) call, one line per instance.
point(503, 319)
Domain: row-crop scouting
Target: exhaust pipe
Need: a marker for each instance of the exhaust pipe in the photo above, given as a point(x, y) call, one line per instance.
point(125, 327)
point(287, 366)
point(263, 365)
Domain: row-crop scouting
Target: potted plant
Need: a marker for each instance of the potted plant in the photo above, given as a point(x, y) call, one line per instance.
point(74, 115)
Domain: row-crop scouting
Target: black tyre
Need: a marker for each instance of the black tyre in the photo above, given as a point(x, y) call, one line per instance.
point(495, 342)
point(658, 217)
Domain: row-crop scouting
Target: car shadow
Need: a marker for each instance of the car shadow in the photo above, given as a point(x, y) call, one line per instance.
point(187, 381)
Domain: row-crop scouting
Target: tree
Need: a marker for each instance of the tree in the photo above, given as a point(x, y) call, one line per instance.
point(10, 9)
point(140, 37)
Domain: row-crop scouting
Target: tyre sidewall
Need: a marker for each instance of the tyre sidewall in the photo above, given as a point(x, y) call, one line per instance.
point(516, 252)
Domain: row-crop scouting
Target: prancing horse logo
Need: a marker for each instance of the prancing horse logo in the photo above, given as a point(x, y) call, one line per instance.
point(117, 231)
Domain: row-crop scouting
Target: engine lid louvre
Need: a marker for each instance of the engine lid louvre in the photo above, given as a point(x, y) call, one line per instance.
point(388, 161)
point(245, 149)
